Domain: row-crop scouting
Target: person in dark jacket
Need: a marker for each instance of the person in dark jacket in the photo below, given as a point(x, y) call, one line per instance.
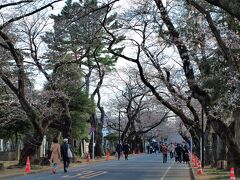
point(185, 154)
point(178, 151)
point(64, 153)
point(119, 150)
point(126, 149)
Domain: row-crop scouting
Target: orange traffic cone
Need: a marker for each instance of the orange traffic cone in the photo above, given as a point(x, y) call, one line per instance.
point(232, 175)
point(88, 158)
point(28, 168)
point(107, 157)
point(199, 170)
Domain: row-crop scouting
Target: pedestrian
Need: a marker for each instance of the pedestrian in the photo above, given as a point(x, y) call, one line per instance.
point(151, 149)
point(160, 148)
point(171, 149)
point(164, 151)
point(66, 154)
point(156, 148)
point(126, 149)
point(119, 150)
point(185, 154)
point(178, 150)
point(148, 148)
point(55, 155)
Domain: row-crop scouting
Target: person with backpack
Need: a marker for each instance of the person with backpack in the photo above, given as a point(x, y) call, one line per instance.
point(66, 154)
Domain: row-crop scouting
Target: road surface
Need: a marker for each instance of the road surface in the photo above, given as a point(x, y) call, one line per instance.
point(138, 167)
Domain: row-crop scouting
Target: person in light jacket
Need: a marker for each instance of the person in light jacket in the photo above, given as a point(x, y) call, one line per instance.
point(55, 155)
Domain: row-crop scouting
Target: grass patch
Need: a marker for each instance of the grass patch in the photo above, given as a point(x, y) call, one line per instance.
point(217, 174)
point(215, 171)
point(220, 177)
point(36, 167)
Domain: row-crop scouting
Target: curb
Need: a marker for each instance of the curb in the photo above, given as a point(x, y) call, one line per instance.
point(7, 176)
point(192, 172)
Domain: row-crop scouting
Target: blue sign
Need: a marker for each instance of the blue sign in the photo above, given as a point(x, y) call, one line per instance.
point(92, 129)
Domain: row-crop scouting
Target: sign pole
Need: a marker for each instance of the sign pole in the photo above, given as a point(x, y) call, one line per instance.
point(93, 145)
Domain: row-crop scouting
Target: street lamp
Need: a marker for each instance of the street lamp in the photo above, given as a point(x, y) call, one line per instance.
point(202, 140)
point(119, 137)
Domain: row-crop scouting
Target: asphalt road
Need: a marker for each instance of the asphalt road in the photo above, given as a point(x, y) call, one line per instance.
point(138, 167)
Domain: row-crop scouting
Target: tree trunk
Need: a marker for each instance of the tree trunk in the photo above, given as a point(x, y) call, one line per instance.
point(31, 145)
point(227, 136)
point(99, 134)
point(196, 141)
point(99, 137)
point(214, 149)
point(66, 119)
point(209, 160)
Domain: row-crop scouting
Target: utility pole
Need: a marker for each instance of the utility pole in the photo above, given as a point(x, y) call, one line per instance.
point(92, 129)
point(119, 137)
point(202, 140)
point(93, 153)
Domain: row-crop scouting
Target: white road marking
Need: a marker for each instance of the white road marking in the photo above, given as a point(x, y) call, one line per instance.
point(88, 176)
point(68, 176)
point(85, 174)
point(162, 178)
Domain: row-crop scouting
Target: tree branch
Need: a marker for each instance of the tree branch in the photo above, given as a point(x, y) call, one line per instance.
point(28, 14)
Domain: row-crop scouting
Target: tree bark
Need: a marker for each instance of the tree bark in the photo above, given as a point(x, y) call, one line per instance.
point(209, 160)
point(31, 146)
point(99, 138)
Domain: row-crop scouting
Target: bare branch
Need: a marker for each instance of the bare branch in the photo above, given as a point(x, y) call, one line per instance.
point(14, 3)
point(28, 14)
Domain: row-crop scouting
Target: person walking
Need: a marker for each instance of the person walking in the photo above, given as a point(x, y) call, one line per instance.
point(171, 150)
point(178, 150)
point(148, 148)
point(164, 151)
point(126, 149)
point(119, 150)
point(66, 154)
point(55, 155)
point(185, 154)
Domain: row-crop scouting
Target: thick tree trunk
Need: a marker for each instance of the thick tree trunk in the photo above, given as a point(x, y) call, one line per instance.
point(227, 136)
point(214, 149)
point(234, 156)
point(209, 159)
point(67, 128)
point(31, 145)
point(66, 119)
point(196, 141)
point(99, 137)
